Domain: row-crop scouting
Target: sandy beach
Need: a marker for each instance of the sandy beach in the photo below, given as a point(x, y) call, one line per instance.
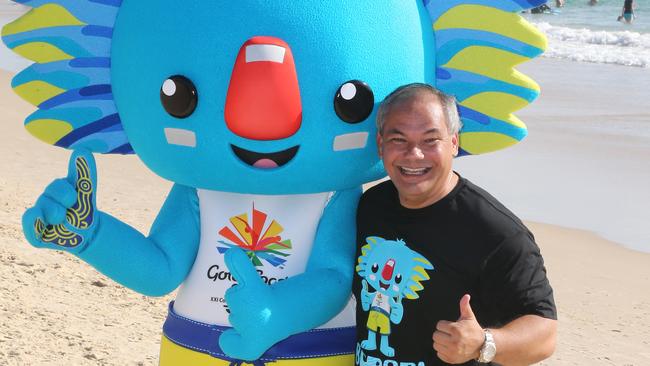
point(55, 310)
point(585, 162)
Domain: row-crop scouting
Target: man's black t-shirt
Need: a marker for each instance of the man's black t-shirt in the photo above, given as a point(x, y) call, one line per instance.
point(414, 265)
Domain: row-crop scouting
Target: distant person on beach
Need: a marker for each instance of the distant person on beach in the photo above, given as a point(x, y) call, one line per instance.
point(559, 3)
point(445, 273)
point(628, 11)
point(593, 2)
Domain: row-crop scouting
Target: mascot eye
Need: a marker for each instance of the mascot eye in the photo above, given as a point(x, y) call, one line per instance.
point(354, 101)
point(178, 96)
point(374, 268)
point(398, 279)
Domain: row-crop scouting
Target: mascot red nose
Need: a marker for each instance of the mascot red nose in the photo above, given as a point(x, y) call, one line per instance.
point(256, 108)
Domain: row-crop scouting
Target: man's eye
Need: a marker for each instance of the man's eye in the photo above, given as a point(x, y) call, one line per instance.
point(432, 141)
point(396, 140)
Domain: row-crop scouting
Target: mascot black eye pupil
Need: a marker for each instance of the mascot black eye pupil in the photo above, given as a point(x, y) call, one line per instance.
point(398, 278)
point(375, 268)
point(178, 96)
point(354, 101)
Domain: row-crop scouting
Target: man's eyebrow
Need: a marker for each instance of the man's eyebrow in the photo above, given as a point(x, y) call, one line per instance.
point(394, 131)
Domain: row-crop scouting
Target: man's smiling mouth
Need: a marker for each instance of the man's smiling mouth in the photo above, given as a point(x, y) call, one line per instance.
point(265, 160)
point(414, 171)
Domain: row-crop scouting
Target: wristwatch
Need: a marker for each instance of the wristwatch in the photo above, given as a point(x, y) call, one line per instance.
point(489, 349)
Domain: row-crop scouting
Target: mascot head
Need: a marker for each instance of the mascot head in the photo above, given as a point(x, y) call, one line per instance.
point(265, 96)
point(391, 268)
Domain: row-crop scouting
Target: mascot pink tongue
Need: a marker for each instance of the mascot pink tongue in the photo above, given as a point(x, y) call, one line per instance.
point(263, 101)
point(262, 113)
point(265, 164)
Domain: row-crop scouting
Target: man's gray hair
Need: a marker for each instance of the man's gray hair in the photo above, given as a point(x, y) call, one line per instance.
point(405, 92)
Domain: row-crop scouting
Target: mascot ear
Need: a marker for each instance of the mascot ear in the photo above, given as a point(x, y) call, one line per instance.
point(70, 80)
point(478, 45)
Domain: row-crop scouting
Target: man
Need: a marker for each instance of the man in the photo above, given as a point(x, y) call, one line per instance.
point(447, 275)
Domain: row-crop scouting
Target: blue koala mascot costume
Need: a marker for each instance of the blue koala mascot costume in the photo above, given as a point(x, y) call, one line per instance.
point(262, 114)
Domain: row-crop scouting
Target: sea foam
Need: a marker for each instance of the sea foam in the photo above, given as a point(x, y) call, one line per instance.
point(599, 46)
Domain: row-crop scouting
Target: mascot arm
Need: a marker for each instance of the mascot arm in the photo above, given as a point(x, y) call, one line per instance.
point(66, 218)
point(366, 296)
point(153, 265)
point(396, 309)
point(262, 315)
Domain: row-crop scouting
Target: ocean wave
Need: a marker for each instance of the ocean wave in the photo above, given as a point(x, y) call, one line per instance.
point(611, 47)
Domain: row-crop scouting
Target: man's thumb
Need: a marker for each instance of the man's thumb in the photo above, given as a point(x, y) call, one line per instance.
point(466, 312)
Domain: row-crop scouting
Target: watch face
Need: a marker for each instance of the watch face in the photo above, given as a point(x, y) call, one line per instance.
point(489, 352)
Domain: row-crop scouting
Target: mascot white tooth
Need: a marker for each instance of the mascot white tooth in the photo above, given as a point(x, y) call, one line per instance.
point(262, 113)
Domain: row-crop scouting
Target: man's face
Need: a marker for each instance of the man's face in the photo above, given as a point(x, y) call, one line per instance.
point(417, 150)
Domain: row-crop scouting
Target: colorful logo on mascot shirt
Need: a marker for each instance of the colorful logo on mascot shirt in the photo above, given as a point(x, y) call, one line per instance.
point(261, 242)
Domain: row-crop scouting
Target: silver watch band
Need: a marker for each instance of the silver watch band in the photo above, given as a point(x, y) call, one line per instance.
point(489, 349)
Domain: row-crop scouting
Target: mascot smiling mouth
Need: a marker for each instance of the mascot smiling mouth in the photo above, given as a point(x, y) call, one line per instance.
point(265, 161)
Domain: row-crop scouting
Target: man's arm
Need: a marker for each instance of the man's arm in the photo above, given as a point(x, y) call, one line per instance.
point(524, 341)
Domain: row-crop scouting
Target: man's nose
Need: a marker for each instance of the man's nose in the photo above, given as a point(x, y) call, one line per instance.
point(263, 101)
point(415, 151)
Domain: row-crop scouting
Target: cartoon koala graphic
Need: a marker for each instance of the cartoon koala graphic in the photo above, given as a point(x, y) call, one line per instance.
point(394, 272)
point(262, 114)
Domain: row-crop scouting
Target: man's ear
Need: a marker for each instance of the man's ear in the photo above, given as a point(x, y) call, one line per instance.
point(455, 141)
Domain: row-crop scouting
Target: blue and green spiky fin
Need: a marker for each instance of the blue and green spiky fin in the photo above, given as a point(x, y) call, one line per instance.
point(478, 44)
point(70, 43)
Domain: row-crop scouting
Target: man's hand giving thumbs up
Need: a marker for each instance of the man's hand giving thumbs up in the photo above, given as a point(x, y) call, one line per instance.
point(460, 341)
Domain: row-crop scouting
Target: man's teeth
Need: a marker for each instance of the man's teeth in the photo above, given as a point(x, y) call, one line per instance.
point(410, 171)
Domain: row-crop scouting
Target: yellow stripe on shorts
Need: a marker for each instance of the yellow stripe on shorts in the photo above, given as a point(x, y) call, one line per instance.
point(171, 354)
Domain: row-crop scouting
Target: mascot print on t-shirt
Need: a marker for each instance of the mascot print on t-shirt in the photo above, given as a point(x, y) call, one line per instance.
point(262, 114)
point(390, 272)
